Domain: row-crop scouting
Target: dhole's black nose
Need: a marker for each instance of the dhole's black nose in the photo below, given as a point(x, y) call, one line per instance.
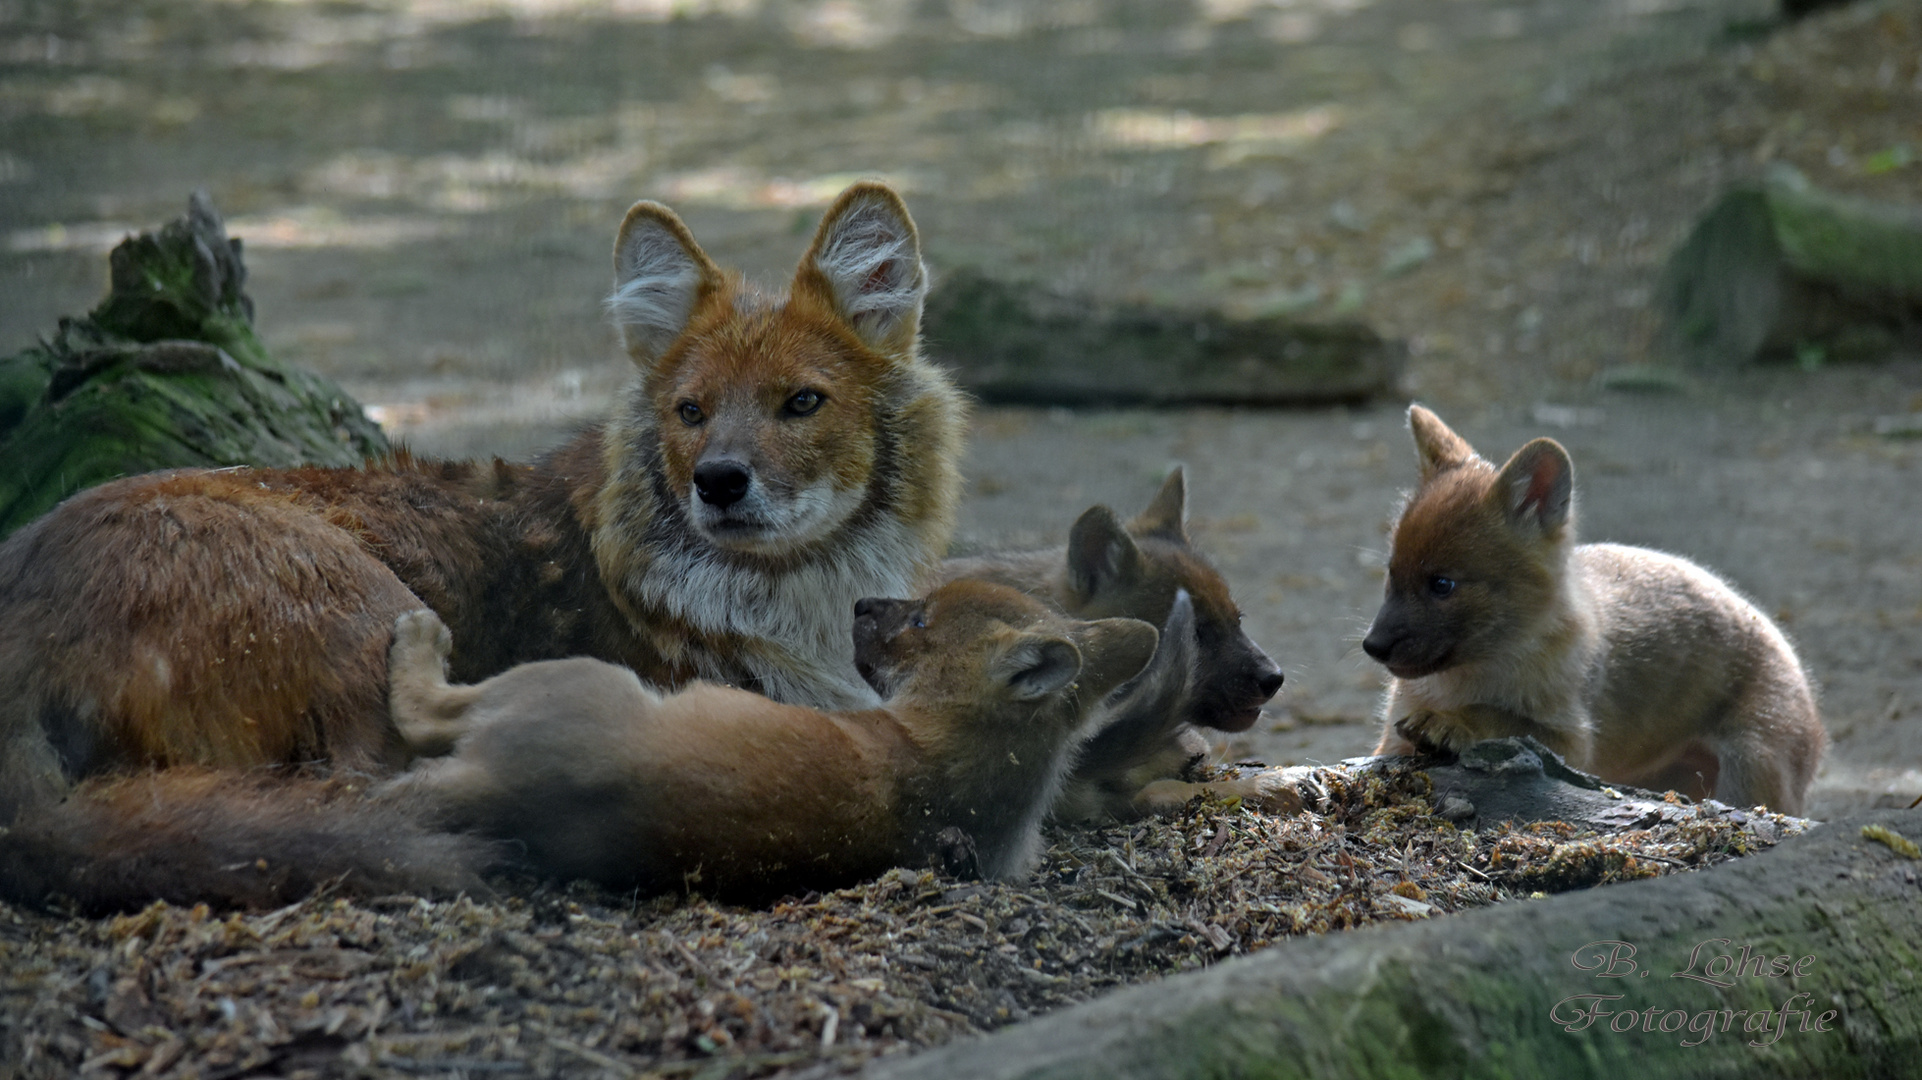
point(1269, 683)
point(865, 606)
point(1378, 646)
point(721, 483)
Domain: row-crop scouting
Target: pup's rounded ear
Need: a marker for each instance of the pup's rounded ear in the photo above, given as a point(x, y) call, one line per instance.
point(1437, 446)
point(1167, 512)
point(1101, 554)
point(1114, 651)
point(1034, 666)
point(865, 266)
point(660, 273)
point(1537, 487)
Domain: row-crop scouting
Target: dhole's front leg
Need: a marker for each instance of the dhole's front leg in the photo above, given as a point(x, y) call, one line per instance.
point(1450, 731)
point(430, 714)
point(1277, 791)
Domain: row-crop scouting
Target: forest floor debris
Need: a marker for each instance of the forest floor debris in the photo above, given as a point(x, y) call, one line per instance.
point(578, 981)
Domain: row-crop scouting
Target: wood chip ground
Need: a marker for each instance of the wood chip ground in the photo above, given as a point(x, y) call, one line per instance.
point(574, 981)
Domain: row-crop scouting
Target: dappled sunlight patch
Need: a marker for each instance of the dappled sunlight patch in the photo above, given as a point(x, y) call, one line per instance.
point(850, 24)
point(465, 11)
point(429, 412)
point(469, 183)
point(742, 188)
point(1174, 129)
point(322, 227)
point(1227, 10)
point(97, 237)
point(297, 227)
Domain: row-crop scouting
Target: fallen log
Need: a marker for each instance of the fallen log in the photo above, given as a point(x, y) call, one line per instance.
point(1786, 270)
point(1017, 344)
point(1800, 961)
point(166, 372)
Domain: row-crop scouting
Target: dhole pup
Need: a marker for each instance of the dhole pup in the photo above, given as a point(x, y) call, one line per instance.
point(1640, 667)
point(1133, 571)
point(1207, 672)
point(594, 775)
point(777, 458)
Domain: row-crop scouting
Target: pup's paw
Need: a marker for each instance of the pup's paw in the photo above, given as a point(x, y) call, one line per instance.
point(421, 632)
point(1278, 791)
point(1442, 733)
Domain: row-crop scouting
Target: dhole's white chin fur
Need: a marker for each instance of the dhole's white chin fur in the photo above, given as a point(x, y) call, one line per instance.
point(763, 525)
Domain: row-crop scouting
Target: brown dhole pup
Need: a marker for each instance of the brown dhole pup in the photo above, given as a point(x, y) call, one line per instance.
point(594, 775)
point(1640, 667)
point(777, 459)
point(1207, 672)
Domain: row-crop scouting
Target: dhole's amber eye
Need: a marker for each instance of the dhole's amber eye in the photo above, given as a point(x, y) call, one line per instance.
point(803, 403)
point(1439, 587)
point(691, 413)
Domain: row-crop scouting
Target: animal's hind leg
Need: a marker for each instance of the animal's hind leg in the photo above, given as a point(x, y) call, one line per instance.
point(430, 714)
point(1770, 768)
point(1770, 757)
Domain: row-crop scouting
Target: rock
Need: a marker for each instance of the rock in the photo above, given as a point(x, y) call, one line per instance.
point(1789, 270)
point(166, 372)
point(1553, 987)
point(1518, 779)
point(1024, 345)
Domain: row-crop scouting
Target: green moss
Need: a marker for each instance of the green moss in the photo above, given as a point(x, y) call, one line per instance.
point(166, 372)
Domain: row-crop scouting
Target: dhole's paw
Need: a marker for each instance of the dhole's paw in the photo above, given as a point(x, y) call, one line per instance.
point(1443, 733)
point(1450, 731)
point(1287, 790)
point(1277, 791)
point(420, 634)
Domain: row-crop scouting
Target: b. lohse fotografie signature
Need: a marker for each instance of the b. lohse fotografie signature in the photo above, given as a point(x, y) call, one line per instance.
point(1715, 961)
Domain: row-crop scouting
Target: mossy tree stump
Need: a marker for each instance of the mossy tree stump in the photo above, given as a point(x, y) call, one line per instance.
point(166, 372)
point(1785, 269)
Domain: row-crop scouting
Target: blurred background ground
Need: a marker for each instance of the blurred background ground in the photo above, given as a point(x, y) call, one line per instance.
point(428, 191)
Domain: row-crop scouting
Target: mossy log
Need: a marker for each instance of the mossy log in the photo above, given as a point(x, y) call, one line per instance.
point(1017, 344)
point(1785, 269)
point(1650, 978)
point(166, 372)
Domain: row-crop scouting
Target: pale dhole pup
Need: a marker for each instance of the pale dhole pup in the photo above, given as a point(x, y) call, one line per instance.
point(1638, 666)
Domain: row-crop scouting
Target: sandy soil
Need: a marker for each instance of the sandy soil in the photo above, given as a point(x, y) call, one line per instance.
point(427, 190)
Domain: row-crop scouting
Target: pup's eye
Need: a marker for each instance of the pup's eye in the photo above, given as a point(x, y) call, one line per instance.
point(691, 414)
point(803, 403)
point(1440, 586)
point(919, 620)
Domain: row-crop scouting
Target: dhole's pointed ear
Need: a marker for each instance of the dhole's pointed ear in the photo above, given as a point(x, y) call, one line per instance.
point(1114, 651)
point(660, 273)
point(865, 265)
point(1167, 514)
point(1101, 554)
point(1032, 666)
point(1537, 486)
point(1436, 444)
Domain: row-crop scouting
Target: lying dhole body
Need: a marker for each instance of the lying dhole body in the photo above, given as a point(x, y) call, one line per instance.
point(1638, 666)
point(778, 458)
point(1208, 672)
point(594, 775)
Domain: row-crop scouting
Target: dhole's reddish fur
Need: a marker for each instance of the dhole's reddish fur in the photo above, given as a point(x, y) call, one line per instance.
point(591, 774)
point(240, 618)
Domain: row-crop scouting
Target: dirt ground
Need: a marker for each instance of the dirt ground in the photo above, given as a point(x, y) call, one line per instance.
point(428, 189)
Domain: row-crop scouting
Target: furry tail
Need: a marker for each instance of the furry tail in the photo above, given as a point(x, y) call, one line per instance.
point(230, 840)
